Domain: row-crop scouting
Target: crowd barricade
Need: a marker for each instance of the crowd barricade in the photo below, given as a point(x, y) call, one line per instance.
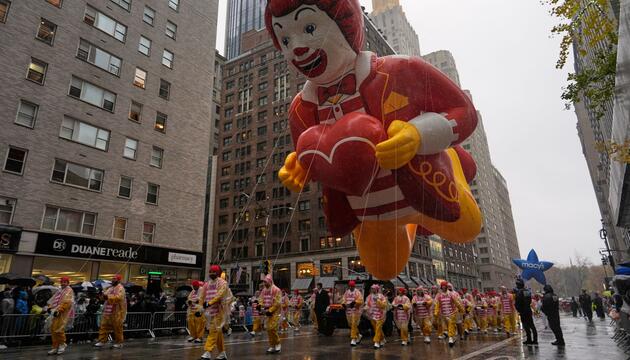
point(139, 322)
point(168, 320)
point(238, 322)
point(21, 325)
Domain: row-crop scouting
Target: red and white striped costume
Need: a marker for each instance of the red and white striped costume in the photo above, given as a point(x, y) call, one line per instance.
point(212, 290)
point(349, 297)
point(507, 304)
point(375, 311)
point(401, 315)
point(421, 310)
point(447, 303)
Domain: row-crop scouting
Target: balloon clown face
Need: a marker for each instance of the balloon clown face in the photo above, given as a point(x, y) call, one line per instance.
point(320, 38)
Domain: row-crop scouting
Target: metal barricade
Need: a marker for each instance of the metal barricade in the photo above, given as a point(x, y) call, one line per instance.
point(169, 320)
point(238, 322)
point(21, 325)
point(139, 322)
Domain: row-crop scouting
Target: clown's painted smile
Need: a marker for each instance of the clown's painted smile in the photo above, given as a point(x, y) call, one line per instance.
point(314, 65)
point(314, 44)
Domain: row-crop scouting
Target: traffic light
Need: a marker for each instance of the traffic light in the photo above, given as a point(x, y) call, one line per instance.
point(266, 267)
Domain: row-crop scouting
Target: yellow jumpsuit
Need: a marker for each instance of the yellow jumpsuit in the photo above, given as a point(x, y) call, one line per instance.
point(401, 316)
point(376, 305)
point(284, 301)
point(196, 324)
point(295, 311)
point(271, 300)
point(114, 313)
point(481, 312)
point(61, 303)
point(213, 292)
point(467, 314)
point(422, 313)
point(353, 314)
point(509, 313)
point(493, 309)
point(447, 305)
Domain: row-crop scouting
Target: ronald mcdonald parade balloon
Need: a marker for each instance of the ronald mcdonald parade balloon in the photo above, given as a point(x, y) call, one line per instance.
point(380, 134)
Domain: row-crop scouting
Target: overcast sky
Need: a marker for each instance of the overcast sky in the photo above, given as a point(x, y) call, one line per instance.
point(506, 57)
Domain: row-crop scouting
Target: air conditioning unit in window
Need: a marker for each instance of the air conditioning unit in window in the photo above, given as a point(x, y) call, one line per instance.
point(82, 54)
point(88, 19)
point(7, 202)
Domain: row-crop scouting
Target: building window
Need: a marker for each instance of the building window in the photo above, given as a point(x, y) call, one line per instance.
point(120, 228)
point(144, 46)
point(56, 3)
point(98, 57)
point(160, 122)
point(135, 111)
point(125, 4)
point(77, 175)
point(148, 16)
point(92, 94)
point(156, 156)
point(84, 133)
point(131, 148)
point(140, 78)
point(223, 203)
point(305, 244)
point(171, 30)
point(105, 23)
point(37, 71)
point(262, 101)
point(4, 10)
point(148, 232)
point(167, 59)
point(7, 206)
point(173, 4)
point(153, 192)
point(26, 114)
point(304, 205)
point(304, 225)
point(124, 187)
point(46, 31)
point(74, 221)
point(225, 187)
point(165, 89)
point(16, 158)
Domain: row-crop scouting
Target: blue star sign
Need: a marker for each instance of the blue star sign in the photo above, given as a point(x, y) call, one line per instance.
point(533, 268)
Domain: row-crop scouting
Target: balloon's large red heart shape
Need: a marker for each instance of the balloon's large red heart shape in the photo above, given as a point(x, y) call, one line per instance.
point(342, 156)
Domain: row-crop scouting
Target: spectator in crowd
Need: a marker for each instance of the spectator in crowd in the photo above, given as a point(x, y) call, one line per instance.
point(599, 306)
point(322, 301)
point(574, 306)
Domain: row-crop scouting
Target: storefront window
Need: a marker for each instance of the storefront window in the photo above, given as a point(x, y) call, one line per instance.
point(172, 278)
point(76, 270)
point(107, 270)
point(331, 268)
point(413, 269)
point(5, 262)
point(305, 270)
point(355, 265)
point(282, 276)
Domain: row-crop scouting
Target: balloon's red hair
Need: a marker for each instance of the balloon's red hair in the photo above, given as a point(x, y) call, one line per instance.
point(346, 13)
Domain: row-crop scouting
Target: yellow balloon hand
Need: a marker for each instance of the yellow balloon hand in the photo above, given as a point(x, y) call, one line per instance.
point(402, 145)
point(292, 174)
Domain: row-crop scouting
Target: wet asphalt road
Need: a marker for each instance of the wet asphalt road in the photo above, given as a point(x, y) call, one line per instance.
point(583, 342)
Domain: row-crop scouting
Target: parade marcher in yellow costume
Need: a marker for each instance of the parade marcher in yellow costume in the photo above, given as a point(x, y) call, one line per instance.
point(422, 304)
point(256, 314)
point(284, 324)
point(114, 314)
point(402, 305)
point(213, 294)
point(508, 311)
point(447, 304)
point(271, 299)
point(468, 304)
point(196, 322)
point(376, 304)
point(352, 300)
point(493, 310)
point(295, 310)
point(61, 308)
point(481, 313)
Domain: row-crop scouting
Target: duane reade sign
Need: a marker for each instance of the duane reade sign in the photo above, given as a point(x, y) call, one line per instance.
point(127, 254)
point(182, 258)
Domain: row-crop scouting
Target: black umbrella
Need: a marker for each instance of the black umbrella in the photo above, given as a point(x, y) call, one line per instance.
point(184, 288)
point(23, 281)
point(7, 277)
point(133, 288)
point(44, 280)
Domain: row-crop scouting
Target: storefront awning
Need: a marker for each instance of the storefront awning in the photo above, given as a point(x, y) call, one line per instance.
point(398, 282)
point(427, 282)
point(328, 282)
point(302, 284)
